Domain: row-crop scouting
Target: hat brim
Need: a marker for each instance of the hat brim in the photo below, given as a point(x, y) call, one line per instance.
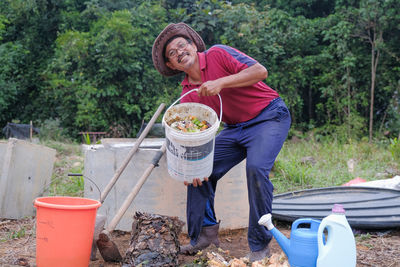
point(171, 30)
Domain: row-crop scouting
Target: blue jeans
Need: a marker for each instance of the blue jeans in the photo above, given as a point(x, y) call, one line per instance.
point(259, 140)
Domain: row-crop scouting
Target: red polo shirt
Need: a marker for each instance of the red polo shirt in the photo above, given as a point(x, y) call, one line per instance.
point(239, 104)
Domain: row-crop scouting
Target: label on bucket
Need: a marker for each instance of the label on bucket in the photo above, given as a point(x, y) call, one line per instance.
point(188, 162)
point(190, 152)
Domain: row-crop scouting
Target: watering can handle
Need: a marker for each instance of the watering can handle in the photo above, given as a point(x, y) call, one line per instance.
point(313, 223)
point(196, 89)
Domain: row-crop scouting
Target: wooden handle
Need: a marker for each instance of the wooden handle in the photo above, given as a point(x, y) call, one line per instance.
point(128, 201)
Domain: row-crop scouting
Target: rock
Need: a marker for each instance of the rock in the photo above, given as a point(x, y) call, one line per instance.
point(108, 249)
point(76, 164)
point(257, 264)
point(351, 163)
point(276, 260)
point(381, 175)
point(237, 263)
point(22, 262)
point(216, 260)
point(391, 171)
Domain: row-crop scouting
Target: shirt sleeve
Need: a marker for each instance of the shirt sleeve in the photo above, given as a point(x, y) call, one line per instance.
point(230, 58)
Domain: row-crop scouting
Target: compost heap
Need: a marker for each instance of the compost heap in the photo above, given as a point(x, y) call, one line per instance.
point(154, 241)
point(189, 124)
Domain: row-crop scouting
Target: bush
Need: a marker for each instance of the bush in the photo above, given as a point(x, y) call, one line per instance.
point(50, 129)
point(352, 129)
point(394, 148)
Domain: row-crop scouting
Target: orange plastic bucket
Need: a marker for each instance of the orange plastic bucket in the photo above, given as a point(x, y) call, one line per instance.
point(64, 230)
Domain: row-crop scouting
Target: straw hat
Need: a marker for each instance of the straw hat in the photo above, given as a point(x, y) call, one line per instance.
point(178, 29)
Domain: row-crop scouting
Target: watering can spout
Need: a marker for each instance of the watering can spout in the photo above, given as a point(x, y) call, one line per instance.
point(282, 240)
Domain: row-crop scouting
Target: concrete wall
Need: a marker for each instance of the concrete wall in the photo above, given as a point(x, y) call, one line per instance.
point(25, 169)
point(160, 194)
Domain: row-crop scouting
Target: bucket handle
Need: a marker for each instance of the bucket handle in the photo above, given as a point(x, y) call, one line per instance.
point(47, 187)
point(196, 89)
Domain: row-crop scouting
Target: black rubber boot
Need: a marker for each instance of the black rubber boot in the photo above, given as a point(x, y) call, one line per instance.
point(259, 255)
point(208, 235)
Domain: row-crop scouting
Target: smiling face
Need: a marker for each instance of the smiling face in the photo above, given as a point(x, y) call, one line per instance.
point(181, 54)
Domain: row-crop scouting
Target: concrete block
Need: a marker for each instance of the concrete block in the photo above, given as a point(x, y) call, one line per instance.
point(26, 169)
point(160, 194)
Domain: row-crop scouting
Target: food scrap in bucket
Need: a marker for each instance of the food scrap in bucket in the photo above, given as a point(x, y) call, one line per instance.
point(189, 124)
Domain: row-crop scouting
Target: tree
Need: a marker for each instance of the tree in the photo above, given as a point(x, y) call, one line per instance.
point(87, 63)
point(104, 77)
point(27, 42)
point(338, 83)
point(371, 22)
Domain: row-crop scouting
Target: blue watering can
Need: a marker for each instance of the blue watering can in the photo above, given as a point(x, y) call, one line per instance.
point(302, 247)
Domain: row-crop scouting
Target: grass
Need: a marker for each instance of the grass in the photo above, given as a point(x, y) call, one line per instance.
point(307, 164)
point(17, 233)
point(363, 237)
point(394, 148)
point(300, 165)
point(16, 229)
point(69, 159)
point(13, 234)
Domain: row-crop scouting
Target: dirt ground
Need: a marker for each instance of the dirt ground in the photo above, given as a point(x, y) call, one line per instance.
point(17, 245)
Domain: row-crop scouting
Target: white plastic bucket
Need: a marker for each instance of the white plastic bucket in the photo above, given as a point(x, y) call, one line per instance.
point(190, 155)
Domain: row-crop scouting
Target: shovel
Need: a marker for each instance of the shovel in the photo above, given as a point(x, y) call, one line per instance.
point(108, 249)
point(101, 219)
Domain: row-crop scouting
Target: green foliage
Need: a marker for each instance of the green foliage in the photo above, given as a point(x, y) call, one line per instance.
point(311, 164)
point(64, 149)
point(394, 148)
point(294, 172)
point(16, 234)
point(87, 139)
point(372, 20)
point(352, 129)
point(307, 8)
point(88, 63)
point(50, 129)
point(28, 38)
point(69, 186)
point(363, 237)
point(11, 57)
point(3, 22)
point(107, 70)
point(302, 163)
point(69, 160)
